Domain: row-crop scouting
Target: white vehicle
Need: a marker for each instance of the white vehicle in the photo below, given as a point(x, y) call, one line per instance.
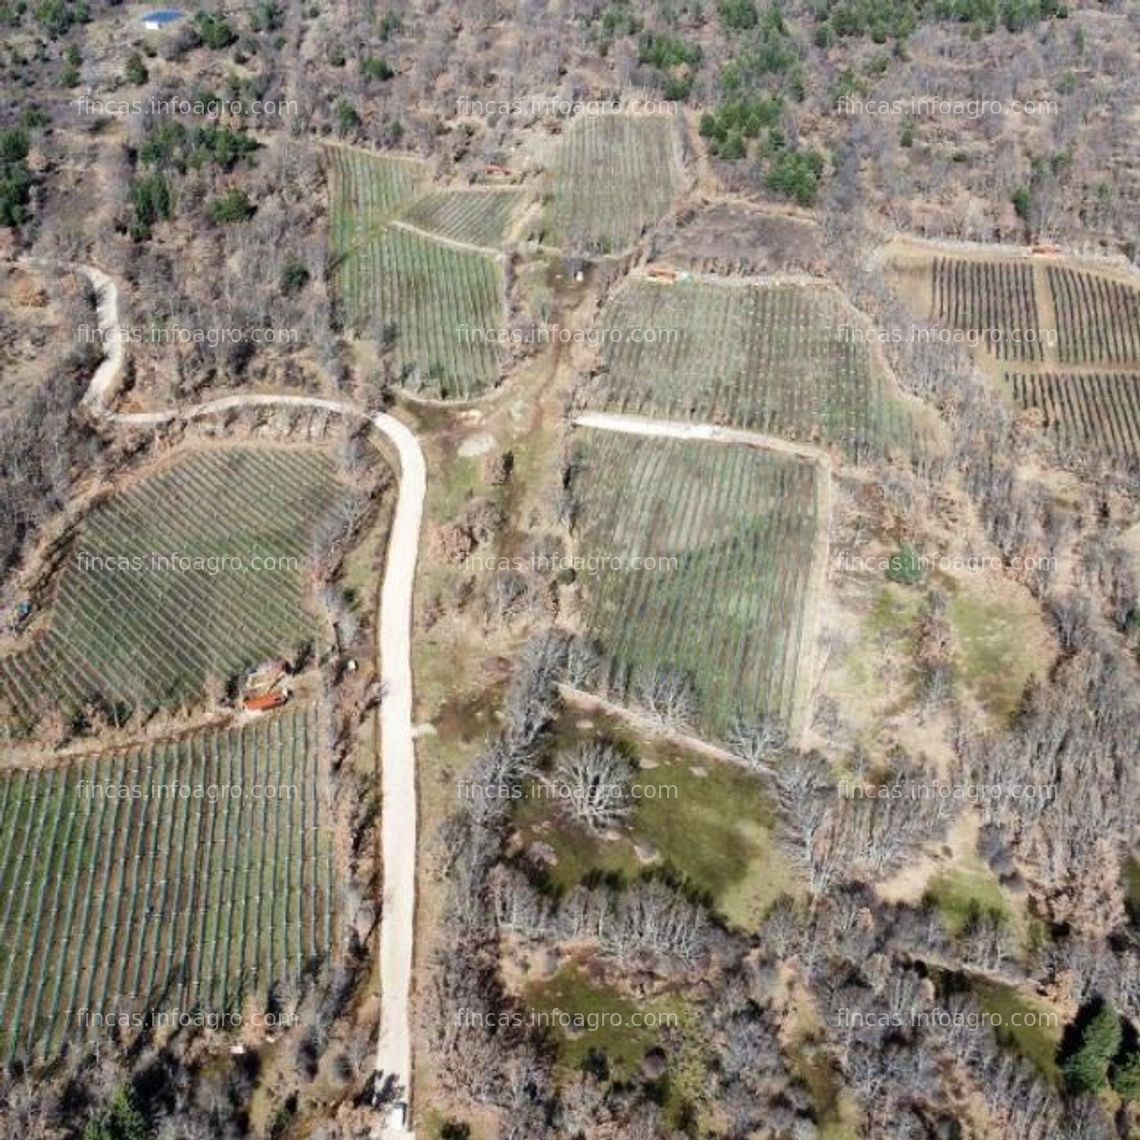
point(398, 1116)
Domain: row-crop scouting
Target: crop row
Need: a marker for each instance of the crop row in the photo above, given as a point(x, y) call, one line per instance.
point(995, 300)
point(481, 217)
point(779, 359)
point(614, 177)
point(1098, 318)
point(364, 190)
point(439, 308)
point(123, 892)
point(708, 553)
point(1096, 410)
point(195, 571)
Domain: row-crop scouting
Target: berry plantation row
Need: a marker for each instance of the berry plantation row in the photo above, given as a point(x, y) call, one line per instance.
point(989, 297)
point(613, 177)
point(722, 607)
point(481, 217)
point(365, 190)
point(781, 359)
point(202, 890)
point(436, 301)
point(1097, 316)
point(1099, 410)
point(1098, 319)
point(136, 624)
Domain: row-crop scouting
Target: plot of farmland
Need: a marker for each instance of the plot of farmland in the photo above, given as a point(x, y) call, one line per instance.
point(729, 616)
point(614, 177)
point(1098, 318)
point(777, 359)
point(365, 190)
point(480, 217)
point(1098, 410)
point(116, 904)
point(128, 629)
point(440, 307)
point(995, 300)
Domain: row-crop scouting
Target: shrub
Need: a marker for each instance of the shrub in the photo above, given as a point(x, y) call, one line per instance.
point(135, 72)
point(152, 201)
point(347, 120)
point(232, 206)
point(738, 14)
point(15, 178)
point(905, 567)
point(666, 52)
point(1086, 1067)
point(214, 30)
point(294, 276)
point(376, 67)
point(1125, 1077)
point(796, 175)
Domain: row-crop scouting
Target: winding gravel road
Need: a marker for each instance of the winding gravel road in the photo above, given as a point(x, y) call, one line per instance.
point(393, 636)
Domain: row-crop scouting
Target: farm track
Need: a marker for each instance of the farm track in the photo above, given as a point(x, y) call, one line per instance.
point(394, 638)
point(454, 243)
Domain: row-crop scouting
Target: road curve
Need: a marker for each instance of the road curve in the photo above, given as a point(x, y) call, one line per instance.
point(394, 638)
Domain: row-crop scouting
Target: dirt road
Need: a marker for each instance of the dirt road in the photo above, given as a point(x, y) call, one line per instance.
point(393, 636)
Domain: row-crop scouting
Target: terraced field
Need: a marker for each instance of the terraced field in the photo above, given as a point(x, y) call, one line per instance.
point(435, 302)
point(994, 300)
point(1100, 410)
point(113, 905)
point(615, 175)
point(480, 217)
point(364, 190)
point(1098, 318)
point(778, 359)
point(728, 616)
point(134, 625)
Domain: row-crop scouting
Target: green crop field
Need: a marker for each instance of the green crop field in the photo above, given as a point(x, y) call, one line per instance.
point(364, 191)
point(127, 629)
point(480, 217)
point(729, 616)
point(435, 302)
point(113, 905)
point(780, 359)
point(614, 177)
point(1098, 318)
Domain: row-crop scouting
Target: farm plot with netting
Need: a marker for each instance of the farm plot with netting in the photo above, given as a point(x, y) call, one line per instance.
point(613, 178)
point(786, 360)
point(365, 190)
point(479, 217)
point(441, 307)
point(728, 617)
point(1098, 318)
point(1100, 411)
point(114, 904)
point(134, 624)
point(994, 301)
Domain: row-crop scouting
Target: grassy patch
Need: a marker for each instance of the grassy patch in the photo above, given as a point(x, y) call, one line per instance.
point(710, 822)
point(1037, 1043)
point(965, 894)
point(586, 1018)
point(992, 635)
